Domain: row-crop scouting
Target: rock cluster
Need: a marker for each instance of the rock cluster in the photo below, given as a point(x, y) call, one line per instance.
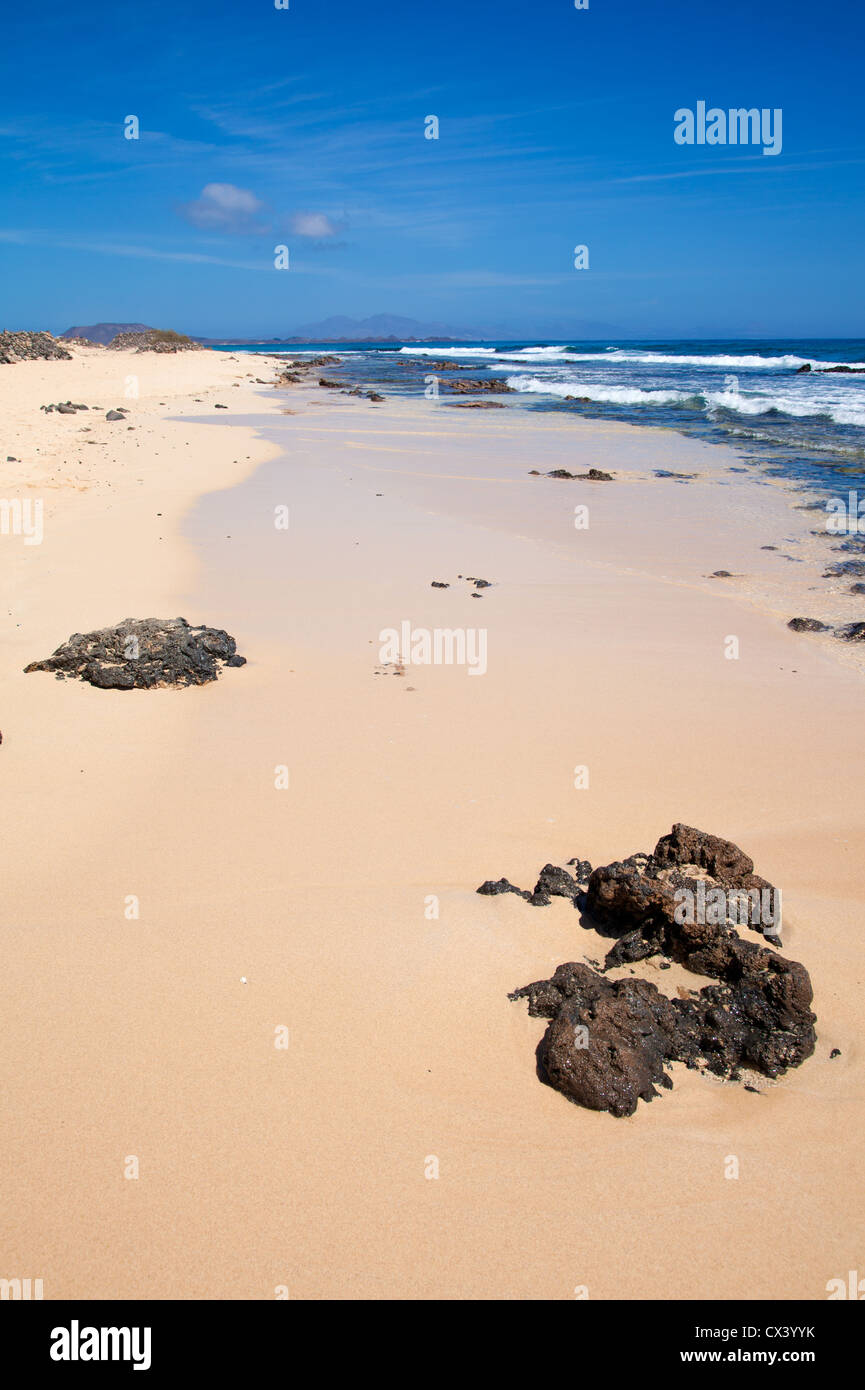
point(846, 632)
point(153, 340)
point(23, 347)
point(467, 386)
point(594, 475)
point(610, 1042)
point(143, 653)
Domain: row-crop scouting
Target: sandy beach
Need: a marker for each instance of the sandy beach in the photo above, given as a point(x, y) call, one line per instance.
point(304, 1037)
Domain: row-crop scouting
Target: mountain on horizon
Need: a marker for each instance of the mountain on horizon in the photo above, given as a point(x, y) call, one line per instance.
point(104, 332)
point(338, 326)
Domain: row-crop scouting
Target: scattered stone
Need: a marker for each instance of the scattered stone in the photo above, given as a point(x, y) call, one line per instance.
point(851, 632)
point(439, 584)
point(721, 574)
point(143, 653)
point(807, 625)
point(665, 473)
point(114, 415)
point(374, 396)
point(492, 887)
point(836, 1052)
point(857, 588)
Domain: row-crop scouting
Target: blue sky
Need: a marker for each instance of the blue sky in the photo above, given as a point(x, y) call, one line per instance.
point(305, 127)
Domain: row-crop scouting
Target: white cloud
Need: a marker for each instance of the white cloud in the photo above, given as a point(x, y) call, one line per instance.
point(223, 207)
point(313, 224)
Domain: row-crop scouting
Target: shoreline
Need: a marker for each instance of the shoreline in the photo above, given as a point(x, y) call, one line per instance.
point(403, 1042)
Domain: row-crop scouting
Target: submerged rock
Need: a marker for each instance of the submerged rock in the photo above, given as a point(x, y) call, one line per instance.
point(609, 1042)
point(143, 653)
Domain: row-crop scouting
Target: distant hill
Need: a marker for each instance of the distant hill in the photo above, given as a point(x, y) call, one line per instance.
point(378, 326)
point(104, 332)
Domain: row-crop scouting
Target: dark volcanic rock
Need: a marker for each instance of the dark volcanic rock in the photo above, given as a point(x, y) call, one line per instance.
point(144, 653)
point(609, 1042)
point(851, 632)
point(843, 567)
point(807, 625)
point(473, 387)
point(493, 887)
point(554, 883)
point(594, 475)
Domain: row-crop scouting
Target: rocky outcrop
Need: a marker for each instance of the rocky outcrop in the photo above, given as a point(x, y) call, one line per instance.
point(143, 653)
point(24, 347)
point(594, 475)
point(154, 340)
point(610, 1042)
point(469, 386)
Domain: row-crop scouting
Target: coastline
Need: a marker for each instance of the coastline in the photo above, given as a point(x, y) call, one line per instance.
point(140, 1035)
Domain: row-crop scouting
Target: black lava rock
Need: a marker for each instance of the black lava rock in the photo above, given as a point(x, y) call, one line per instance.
point(143, 653)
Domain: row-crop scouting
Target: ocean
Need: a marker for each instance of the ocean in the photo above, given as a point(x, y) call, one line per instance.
point(750, 394)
